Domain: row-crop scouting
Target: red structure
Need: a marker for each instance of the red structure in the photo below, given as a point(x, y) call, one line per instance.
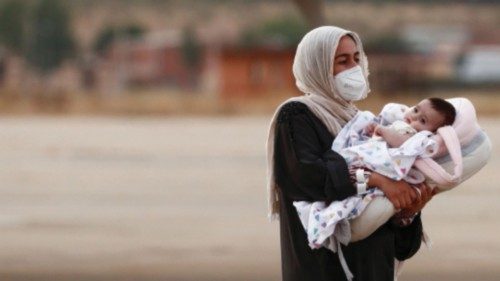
point(158, 65)
point(251, 72)
point(227, 70)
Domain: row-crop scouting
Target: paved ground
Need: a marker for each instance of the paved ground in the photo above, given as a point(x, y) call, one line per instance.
point(184, 199)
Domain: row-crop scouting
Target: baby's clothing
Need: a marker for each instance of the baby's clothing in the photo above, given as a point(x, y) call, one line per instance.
point(322, 223)
point(329, 224)
point(361, 150)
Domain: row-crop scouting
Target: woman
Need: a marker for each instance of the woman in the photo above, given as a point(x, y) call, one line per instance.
point(330, 68)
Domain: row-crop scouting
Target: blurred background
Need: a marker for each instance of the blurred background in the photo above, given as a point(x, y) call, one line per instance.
point(133, 132)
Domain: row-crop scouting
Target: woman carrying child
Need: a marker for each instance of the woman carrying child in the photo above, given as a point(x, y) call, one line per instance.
point(330, 69)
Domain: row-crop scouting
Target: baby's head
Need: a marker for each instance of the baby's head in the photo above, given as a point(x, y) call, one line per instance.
point(430, 114)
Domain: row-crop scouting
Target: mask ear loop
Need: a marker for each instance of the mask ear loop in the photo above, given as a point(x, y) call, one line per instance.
point(363, 61)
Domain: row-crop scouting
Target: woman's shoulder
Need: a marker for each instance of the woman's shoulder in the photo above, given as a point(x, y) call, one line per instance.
point(290, 110)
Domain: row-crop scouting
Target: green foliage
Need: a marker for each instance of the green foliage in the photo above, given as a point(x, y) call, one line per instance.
point(104, 39)
point(386, 44)
point(286, 32)
point(50, 39)
point(110, 34)
point(191, 49)
point(12, 25)
point(133, 31)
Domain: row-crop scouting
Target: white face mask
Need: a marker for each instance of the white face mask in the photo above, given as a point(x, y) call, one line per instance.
point(351, 84)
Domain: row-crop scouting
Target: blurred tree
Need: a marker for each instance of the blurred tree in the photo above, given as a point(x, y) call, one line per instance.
point(12, 25)
point(312, 11)
point(132, 30)
point(191, 49)
point(285, 32)
point(104, 39)
point(191, 53)
point(110, 34)
point(51, 40)
point(386, 43)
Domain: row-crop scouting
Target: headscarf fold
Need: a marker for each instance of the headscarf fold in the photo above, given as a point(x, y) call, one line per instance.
point(313, 71)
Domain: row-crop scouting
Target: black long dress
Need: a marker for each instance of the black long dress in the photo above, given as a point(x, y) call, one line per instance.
point(307, 169)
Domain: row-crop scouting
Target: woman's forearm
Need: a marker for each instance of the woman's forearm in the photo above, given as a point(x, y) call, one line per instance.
point(400, 193)
point(377, 180)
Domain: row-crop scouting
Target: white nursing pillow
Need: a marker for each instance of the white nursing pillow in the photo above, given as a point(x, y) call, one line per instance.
point(475, 152)
point(433, 171)
point(475, 155)
point(465, 125)
point(474, 143)
point(378, 212)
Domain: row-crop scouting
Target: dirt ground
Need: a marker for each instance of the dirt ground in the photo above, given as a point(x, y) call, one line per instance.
point(184, 199)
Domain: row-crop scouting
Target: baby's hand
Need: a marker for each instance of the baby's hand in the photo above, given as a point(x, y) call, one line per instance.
point(378, 130)
point(370, 129)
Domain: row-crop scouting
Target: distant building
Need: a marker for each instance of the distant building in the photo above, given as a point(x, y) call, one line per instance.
point(441, 44)
point(428, 38)
point(224, 68)
point(235, 72)
point(480, 64)
point(456, 53)
point(153, 61)
point(17, 77)
point(395, 72)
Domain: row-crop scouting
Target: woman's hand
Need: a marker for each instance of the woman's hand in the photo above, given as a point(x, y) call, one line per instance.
point(426, 194)
point(400, 193)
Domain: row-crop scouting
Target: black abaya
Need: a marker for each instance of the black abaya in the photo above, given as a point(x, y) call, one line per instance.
point(306, 169)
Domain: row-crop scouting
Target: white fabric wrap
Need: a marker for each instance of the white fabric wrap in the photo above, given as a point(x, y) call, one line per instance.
point(360, 149)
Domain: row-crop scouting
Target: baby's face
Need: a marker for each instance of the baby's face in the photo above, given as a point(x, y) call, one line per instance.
point(423, 117)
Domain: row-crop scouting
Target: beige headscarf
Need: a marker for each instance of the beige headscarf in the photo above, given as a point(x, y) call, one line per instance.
point(313, 71)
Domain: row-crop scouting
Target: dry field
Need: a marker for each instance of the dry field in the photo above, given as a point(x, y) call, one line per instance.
point(183, 199)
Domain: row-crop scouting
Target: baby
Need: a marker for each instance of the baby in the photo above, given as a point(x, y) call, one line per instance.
point(390, 143)
point(428, 115)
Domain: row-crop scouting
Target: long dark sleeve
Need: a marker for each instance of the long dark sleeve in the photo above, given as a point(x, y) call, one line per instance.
point(408, 239)
point(310, 169)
